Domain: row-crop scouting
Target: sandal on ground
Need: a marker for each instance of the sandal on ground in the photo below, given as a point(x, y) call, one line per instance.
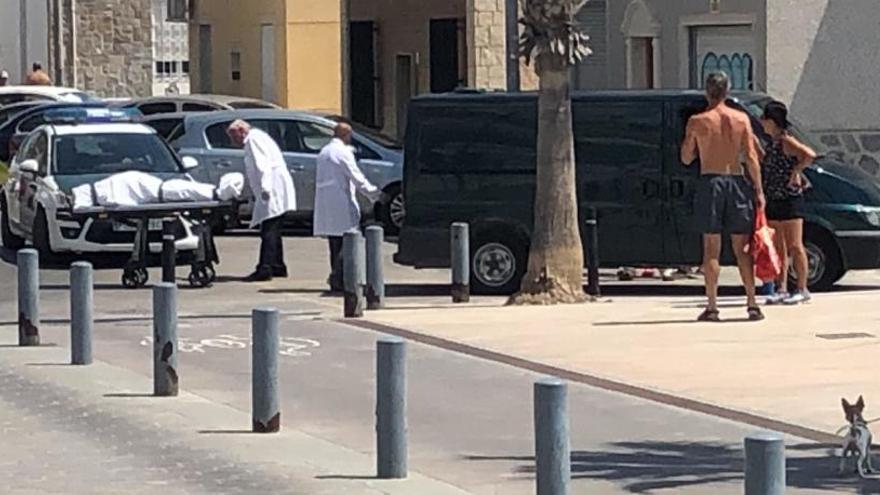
point(710, 315)
point(755, 314)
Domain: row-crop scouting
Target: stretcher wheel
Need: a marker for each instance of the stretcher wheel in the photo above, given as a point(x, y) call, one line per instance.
point(202, 276)
point(135, 278)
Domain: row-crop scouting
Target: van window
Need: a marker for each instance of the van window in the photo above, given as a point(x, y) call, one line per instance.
point(478, 139)
point(619, 134)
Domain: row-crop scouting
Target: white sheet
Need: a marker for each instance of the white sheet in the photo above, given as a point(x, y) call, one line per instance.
point(138, 188)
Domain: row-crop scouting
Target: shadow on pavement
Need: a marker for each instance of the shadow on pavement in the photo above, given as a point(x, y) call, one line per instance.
point(229, 432)
point(129, 395)
point(646, 467)
point(345, 477)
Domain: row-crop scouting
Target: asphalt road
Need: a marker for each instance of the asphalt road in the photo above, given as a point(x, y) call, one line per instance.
point(470, 421)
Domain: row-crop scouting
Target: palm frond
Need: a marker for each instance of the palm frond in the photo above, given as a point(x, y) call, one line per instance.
point(551, 27)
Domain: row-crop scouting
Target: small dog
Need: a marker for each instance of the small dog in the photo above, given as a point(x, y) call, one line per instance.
point(858, 439)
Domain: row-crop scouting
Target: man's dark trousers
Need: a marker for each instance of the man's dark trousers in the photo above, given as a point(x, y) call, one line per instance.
point(272, 248)
point(336, 280)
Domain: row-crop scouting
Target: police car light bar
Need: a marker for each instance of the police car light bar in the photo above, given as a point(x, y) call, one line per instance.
point(92, 115)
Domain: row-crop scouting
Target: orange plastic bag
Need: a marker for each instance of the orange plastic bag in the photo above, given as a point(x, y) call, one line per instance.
point(768, 264)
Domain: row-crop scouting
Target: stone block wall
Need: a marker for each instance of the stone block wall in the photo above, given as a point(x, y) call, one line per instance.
point(859, 148)
point(487, 42)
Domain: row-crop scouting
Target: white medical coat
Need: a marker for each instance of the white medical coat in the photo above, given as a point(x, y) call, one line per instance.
point(266, 170)
point(337, 180)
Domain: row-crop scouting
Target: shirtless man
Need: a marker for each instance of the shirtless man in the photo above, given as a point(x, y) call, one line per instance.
point(721, 137)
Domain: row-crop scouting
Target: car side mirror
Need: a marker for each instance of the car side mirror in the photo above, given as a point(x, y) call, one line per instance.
point(29, 166)
point(189, 162)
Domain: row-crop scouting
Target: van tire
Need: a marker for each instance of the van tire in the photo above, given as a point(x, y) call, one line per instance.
point(10, 240)
point(499, 257)
point(391, 214)
point(826, 262)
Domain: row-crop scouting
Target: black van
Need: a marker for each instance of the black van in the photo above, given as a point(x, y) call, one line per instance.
point(471, 157)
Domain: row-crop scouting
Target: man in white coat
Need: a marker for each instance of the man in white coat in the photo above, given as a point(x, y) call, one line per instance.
point(274, 195)
point(337, 180)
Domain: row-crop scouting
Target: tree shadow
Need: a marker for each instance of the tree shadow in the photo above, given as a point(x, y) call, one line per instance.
point(647, 467)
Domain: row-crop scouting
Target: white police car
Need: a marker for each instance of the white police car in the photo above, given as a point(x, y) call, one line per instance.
point(79, 147)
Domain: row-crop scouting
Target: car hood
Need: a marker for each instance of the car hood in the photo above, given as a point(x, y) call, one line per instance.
point(66, 183)
point(852, 174)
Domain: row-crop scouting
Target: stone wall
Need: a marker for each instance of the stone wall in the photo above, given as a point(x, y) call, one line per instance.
point(859, 148)
point(487, 44)
point(113, 51)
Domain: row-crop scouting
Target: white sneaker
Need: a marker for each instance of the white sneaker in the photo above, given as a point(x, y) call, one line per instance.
point(776, 299)
point(799, 297)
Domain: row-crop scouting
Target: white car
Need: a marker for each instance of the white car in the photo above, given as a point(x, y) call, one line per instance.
point(17, 94)
point(55, 158)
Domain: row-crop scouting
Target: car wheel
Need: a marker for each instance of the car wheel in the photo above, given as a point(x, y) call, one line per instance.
point(824, 259)
point(392, 213)
point(41, 234)
point(498, 262)
point(10, 240)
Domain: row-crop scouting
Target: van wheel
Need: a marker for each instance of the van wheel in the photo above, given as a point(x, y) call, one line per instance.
point(498, 262)
point(10, 240)
point(392, 213)
point(41, 235)
point(825, 261)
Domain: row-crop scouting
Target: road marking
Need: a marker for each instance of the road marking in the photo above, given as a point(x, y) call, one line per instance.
point(287, 346)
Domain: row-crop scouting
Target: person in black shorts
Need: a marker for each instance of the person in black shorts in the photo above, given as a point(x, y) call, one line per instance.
point(782, 165)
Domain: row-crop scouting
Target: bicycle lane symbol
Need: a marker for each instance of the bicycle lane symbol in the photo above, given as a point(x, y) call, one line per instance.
point(288, 346)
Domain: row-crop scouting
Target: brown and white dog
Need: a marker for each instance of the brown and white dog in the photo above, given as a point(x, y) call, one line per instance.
point(858, 438)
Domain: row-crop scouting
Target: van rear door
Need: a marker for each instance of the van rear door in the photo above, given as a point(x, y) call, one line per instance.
point(619, 146)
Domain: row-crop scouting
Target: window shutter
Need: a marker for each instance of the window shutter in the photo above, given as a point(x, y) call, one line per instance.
point(177, 11)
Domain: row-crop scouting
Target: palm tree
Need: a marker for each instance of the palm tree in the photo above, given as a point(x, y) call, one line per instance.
point(555, 42)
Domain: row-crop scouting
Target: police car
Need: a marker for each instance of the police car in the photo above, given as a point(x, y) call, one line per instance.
point(77, 147)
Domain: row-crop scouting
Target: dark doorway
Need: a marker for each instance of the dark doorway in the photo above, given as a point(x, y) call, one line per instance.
point(444, 55)
point(362, 83)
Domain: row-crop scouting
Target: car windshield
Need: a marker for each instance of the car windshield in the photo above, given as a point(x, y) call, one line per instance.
point(755, 108)
point(76, 97)
point(78, 154)
point(377, 137)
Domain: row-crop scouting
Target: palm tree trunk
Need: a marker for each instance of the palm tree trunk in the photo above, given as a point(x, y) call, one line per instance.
point(556, 257)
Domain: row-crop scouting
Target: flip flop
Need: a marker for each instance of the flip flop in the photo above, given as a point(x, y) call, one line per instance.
point(755, 314)
point(710, 315)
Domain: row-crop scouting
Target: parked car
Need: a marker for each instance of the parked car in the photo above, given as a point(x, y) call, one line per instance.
point(195, 103)
point(36, 201)
point(17, 94)
point(301, 137)
point(472, 158)
point(167, 125)
point(9, 111)
point(13, 131)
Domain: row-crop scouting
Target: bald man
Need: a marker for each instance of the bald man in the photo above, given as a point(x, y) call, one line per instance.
point(337, 181)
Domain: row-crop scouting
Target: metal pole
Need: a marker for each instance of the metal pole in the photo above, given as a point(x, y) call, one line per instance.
point(592, 236)
point(765, 464)
point(512, 32)
point(354, 274)
point(391, 409)
point(81, 321)
point(552, 451)
point(266, 416)
point(28, 262)
point(169, 259)
point(461, 262)
point(375, 272)
point(165, 379)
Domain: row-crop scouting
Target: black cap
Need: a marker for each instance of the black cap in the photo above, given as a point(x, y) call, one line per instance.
point(778, 113)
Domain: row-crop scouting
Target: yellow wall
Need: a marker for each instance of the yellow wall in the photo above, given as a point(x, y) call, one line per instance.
point(314, 55)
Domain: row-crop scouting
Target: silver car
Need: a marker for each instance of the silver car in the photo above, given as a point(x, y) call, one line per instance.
point(301, 136)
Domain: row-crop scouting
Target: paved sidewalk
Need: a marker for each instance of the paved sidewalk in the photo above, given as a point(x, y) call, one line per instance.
point(793, 368)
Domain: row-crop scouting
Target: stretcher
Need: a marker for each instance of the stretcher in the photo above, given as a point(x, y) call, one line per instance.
point(201, 217)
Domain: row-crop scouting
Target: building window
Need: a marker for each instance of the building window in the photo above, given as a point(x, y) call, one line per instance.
point(159, 67)
point(235, 65)
point(184, 66)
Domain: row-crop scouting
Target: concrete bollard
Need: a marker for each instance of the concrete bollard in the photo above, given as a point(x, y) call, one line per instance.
point(461, 263)
point(165, 379)
point(28, 262)
point(169, 259)
point(592, 237)
point(264, 371)
point(375, 291)
point(765, 464)
point(552, 450)
point(354, 273)
point(81, 304)
point(391, 447)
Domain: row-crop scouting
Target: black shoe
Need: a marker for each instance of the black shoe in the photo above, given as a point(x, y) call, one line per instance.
point(259, 276)
point(336, 287)
point(279, 271)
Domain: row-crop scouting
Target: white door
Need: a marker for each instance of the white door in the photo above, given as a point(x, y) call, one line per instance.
point(728, 49)
point(267, 65)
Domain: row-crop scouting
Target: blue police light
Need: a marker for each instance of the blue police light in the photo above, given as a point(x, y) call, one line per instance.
point(75, 116)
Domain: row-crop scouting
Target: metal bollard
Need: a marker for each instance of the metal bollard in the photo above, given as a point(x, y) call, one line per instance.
point(552, 450)
point(266, 417)
point(391, 450)
point(81, 321)
point(592, 236)
point(169, 259)
point(375, 273)
point(354, 274)
point(765, 464)
point(28, 262)
point(461, 263)
point(165, 379)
